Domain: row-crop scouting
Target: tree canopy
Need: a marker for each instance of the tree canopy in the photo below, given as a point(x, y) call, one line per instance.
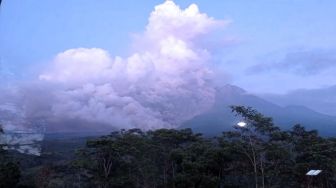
point(257, 155)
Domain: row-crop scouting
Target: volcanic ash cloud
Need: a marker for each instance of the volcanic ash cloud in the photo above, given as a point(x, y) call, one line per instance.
point(166, 81)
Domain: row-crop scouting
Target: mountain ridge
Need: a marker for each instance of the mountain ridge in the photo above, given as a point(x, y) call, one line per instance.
point(219, 118)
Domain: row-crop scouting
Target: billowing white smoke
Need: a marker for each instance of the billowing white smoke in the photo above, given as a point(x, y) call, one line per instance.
point(166, 81)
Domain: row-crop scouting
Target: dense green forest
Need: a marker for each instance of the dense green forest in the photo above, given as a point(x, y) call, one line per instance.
point(257, 155)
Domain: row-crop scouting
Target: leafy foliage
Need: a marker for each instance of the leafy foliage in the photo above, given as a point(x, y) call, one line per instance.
point(257, 155)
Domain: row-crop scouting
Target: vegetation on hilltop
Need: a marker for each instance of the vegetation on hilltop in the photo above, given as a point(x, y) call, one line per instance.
point(257, 155)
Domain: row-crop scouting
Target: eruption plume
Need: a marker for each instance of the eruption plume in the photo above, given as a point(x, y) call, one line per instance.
point(166, 81)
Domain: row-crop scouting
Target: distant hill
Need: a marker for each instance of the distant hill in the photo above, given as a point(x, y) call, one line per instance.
point(320, 99)
point(220, 118)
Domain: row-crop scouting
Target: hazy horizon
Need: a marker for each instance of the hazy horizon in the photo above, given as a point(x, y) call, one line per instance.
point(156, 64)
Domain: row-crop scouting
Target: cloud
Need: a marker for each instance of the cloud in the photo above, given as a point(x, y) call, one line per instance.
point(303, 63)
point(166, 81)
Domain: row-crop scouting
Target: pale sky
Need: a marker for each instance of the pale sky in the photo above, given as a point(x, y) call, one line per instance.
point(271, 46)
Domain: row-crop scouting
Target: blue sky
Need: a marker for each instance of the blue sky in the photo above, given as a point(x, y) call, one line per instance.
point(271, 36)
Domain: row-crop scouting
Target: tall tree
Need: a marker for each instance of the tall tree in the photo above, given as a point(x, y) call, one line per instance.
point(260, 143)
